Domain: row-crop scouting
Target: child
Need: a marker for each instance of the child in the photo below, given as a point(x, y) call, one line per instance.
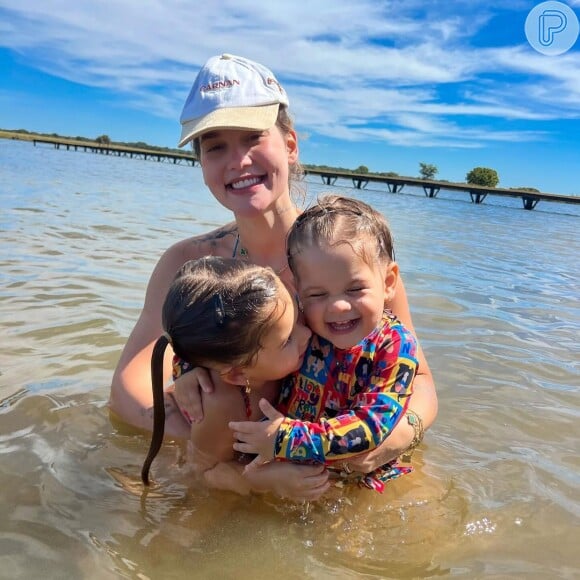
point(355, 381)
point(239, 321)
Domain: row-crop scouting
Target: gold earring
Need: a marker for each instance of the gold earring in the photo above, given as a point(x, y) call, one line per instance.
point(247, 389)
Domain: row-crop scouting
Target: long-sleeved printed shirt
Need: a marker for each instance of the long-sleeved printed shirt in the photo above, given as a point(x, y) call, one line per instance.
point(346, 402)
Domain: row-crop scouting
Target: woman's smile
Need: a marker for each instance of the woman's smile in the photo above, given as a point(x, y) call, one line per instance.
point(245, 182)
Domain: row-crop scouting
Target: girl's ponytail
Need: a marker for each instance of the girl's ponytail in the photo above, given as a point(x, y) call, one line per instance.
point(158, 404)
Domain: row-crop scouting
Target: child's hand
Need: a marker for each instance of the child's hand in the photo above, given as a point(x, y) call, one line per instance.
point(258, 436)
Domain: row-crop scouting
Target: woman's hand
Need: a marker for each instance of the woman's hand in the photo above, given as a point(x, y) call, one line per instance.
point(398, 441)
point(424, 403)
point(186, 391)
point(289, 480)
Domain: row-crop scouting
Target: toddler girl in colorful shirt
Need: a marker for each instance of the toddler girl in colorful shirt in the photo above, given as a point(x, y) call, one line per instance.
point(356, 378)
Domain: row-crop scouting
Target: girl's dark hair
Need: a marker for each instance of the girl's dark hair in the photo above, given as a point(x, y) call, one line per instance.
point(216, 312)
point(337, 220)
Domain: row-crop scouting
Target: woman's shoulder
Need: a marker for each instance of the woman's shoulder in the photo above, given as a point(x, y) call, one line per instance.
point(218, 242)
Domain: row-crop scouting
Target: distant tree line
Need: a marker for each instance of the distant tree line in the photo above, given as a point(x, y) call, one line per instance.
point(483, 176)
point(361, 169)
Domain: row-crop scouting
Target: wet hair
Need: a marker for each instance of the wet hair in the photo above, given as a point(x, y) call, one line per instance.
point(296, 174)
point(216, 312)
point(336, 220)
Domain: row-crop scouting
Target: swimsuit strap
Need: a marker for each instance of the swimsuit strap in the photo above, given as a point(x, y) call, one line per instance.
point(236, 246)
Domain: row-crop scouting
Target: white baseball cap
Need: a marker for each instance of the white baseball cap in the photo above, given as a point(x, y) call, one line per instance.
point(231, 92)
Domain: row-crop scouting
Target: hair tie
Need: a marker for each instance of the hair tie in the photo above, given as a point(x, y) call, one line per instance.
point(168, 338)
point(219, 309)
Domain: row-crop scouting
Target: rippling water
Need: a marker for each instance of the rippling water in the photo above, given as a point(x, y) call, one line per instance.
point(494, 293)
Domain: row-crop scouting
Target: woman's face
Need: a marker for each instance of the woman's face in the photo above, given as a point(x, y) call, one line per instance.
point(248, 171)
point(283, 346)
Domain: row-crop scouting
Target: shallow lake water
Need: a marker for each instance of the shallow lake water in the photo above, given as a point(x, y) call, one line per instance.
point(495, 299)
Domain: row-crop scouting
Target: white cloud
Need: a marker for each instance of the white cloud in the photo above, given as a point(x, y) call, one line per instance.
point(353, 70)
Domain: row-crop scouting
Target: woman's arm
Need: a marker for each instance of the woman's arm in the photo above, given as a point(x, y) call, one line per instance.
point(423, 400)
point(288, 480)
point(131, 396)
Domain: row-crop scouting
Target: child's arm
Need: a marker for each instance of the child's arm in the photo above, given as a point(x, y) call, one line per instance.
point(213, 456)
point(285, 480)
point(373, 414)
point(289, 480)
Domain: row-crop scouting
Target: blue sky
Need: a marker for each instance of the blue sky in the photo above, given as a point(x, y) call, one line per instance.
point(386, 84)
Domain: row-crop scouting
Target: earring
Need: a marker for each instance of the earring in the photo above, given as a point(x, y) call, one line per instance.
point(247, 389)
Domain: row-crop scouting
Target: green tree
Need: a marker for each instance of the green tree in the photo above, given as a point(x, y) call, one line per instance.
point(483, 176)
point(361, 169)
point(103, 140)
point(428, 170)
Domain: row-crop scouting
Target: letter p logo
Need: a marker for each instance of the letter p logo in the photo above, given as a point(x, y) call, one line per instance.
point(552, 28)
point(551, 22)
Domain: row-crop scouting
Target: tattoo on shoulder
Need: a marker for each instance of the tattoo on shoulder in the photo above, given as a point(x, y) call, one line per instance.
point(212, 238)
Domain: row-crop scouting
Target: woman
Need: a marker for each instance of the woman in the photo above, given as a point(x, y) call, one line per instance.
point(236, 115)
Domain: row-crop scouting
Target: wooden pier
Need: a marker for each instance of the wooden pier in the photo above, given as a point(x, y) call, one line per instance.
point(478, 193)
point(118, 150)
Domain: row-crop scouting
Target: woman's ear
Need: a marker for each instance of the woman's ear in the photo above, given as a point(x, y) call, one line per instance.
point(292, 147)
point(391, 278)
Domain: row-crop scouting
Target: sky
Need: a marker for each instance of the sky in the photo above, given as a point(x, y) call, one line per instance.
point(385, 84)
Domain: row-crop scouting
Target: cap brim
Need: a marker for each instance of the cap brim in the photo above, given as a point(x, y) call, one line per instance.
point(248, 118)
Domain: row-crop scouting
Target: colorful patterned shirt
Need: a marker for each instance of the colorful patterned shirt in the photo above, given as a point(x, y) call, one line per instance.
point(344, 402)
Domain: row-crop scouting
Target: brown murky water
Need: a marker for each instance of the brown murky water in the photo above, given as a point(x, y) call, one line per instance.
point(494, 292)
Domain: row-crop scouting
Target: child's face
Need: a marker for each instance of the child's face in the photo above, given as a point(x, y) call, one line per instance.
point(284, 344)
point(342, 295)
